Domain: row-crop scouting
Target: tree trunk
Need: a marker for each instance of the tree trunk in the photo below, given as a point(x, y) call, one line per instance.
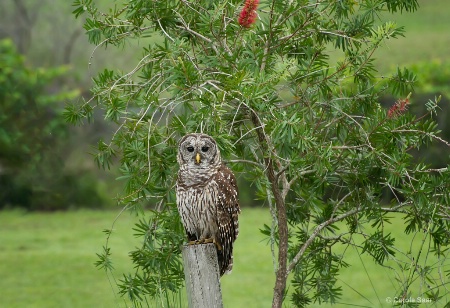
point(281, 274)
point(201, 270)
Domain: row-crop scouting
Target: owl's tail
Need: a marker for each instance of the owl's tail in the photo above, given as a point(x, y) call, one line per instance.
point(225, 242)
point(225, 258)
point(228, 226)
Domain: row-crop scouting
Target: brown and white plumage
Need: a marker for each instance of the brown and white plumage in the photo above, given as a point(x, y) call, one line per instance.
point(207, 196)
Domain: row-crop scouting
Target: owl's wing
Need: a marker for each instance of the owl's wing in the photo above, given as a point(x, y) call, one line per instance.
point(227, 217)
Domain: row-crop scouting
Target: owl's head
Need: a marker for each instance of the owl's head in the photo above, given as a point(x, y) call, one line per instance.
point(198, 151)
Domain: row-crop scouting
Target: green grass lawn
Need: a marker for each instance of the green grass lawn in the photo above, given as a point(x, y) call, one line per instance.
point(46, 260)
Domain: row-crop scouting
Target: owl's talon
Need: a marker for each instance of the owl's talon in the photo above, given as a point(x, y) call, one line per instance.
point(218, 246)
point(201, 241)
point(206, 241)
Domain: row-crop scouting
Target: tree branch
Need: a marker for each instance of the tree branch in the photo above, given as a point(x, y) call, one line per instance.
point(422, 132)
point(288, 185)
point(316, 232)
point(245, 161)
point(269, 39)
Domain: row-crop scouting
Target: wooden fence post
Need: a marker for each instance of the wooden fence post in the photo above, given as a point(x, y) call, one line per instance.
point(201, 271)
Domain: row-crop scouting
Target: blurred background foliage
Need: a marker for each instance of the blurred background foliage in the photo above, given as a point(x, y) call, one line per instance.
point(34, 139)
point(46, 60)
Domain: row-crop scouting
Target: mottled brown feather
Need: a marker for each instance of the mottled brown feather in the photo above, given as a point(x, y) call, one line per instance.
point(227, 217)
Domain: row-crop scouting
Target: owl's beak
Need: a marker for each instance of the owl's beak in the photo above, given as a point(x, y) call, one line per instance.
point(197, 158)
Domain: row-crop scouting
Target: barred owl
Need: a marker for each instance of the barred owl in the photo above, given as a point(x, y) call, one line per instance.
point(207, 197)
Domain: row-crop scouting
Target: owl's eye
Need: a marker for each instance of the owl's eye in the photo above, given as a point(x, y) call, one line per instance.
point(205, 149)
point(190, 149)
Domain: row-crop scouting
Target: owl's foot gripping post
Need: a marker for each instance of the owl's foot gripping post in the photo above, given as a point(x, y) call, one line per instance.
point(206, 241)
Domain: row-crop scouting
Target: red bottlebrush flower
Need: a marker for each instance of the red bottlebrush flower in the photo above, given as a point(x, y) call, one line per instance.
point(248, 14)
point(398, 108)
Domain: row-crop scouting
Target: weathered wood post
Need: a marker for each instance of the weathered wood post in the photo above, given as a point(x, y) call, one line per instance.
point(201, 271)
